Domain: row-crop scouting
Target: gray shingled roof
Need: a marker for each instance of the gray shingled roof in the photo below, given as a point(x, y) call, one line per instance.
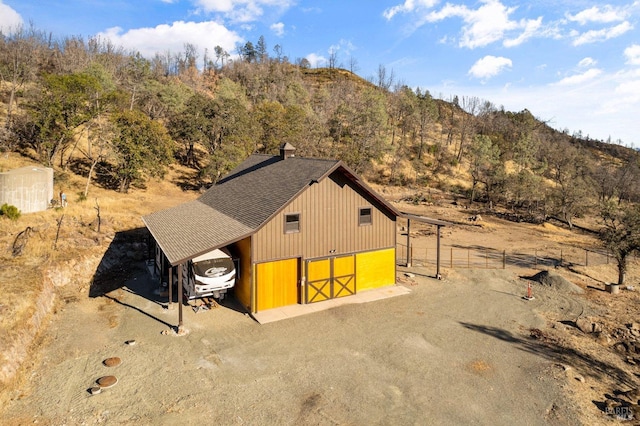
point(262, 185)
point(192, 228)
point(239, 204)
point(235, 207)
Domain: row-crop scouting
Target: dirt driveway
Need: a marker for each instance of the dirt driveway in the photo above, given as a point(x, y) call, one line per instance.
point(456, 351)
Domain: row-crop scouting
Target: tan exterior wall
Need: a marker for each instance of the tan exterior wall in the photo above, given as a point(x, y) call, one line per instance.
point(329, 213)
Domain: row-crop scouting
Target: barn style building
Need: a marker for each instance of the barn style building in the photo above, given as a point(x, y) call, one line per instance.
point(302, 230)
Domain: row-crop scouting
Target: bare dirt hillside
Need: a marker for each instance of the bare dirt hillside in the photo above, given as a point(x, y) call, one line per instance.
point(464, 349)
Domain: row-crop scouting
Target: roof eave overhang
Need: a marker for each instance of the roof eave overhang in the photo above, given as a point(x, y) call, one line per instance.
point(424, 219)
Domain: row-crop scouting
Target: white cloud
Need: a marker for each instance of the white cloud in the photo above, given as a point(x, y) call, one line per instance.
point(594, 36)
point(277, 28)
point(9, 18)
point(630, 90)
point(163, 38)
point(587, 62)
point(316, 60)
point(632, 53)
point(407, 7)
point(627, 96)
point(242, 10)
point(488, 24)
point(344, 46)
point(531, 29)
point(631, 87)
point(576, 79)
point(607, 15)
point(489, 66)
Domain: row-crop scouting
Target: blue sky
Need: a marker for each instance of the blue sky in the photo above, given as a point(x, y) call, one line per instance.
point(572, 63)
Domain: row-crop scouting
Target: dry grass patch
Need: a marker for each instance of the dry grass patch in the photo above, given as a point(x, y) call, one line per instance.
point(64, 244)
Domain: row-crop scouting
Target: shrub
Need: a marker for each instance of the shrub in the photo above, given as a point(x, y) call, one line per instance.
point(9, 211)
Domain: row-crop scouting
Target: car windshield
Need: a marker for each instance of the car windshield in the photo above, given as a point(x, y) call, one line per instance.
point(213, 267)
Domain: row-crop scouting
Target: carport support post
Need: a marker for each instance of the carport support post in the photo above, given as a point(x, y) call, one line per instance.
point(180, 298)
point(170, 284)
point(438, 276)
point(408, 242)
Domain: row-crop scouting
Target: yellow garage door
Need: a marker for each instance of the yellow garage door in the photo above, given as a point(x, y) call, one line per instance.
point(344, 276)
point(318, 280)
point(277, 284)
point(376, 268)
point(330, 278)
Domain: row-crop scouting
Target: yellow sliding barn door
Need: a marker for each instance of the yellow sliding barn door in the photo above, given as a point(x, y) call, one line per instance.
point(330, 278)
point(277, 283)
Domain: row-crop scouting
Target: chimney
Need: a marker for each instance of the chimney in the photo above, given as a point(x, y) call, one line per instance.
point(287, 150)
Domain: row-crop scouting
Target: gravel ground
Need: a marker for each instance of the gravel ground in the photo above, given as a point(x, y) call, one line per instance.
point(455, 351)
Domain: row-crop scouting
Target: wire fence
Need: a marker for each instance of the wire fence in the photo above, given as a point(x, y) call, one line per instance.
point(460, 257)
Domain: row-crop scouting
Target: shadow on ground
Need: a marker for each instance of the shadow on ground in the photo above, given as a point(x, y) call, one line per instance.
point(545, 346)
point(124, 267)
point(123, 259)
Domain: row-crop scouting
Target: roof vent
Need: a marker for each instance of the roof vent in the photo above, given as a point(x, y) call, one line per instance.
point(287, 150)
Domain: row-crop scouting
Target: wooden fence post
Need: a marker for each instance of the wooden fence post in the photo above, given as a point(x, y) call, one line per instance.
point(504, 259)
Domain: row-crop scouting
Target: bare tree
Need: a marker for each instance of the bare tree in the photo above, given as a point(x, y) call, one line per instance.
point(467, 121)
point(384, 79)
point(137, 71)
point(427, 113)
point(277, 49)
point(19, 55)
point(221, 55)
point(333, 57)
point(353, 65)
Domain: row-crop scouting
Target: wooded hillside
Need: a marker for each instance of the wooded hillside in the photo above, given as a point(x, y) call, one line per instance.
point(118, 119)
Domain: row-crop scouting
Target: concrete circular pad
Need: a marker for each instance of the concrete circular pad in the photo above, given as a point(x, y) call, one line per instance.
point(112, 362)
point(107, 381)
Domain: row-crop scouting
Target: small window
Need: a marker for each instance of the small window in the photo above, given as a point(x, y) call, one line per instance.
point(365, 216)
point(291, 223)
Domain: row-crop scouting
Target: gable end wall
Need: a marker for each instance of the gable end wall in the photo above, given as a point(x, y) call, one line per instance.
point(328, 221)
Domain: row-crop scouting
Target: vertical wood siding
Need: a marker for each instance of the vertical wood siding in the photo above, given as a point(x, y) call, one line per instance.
point(329, 213)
